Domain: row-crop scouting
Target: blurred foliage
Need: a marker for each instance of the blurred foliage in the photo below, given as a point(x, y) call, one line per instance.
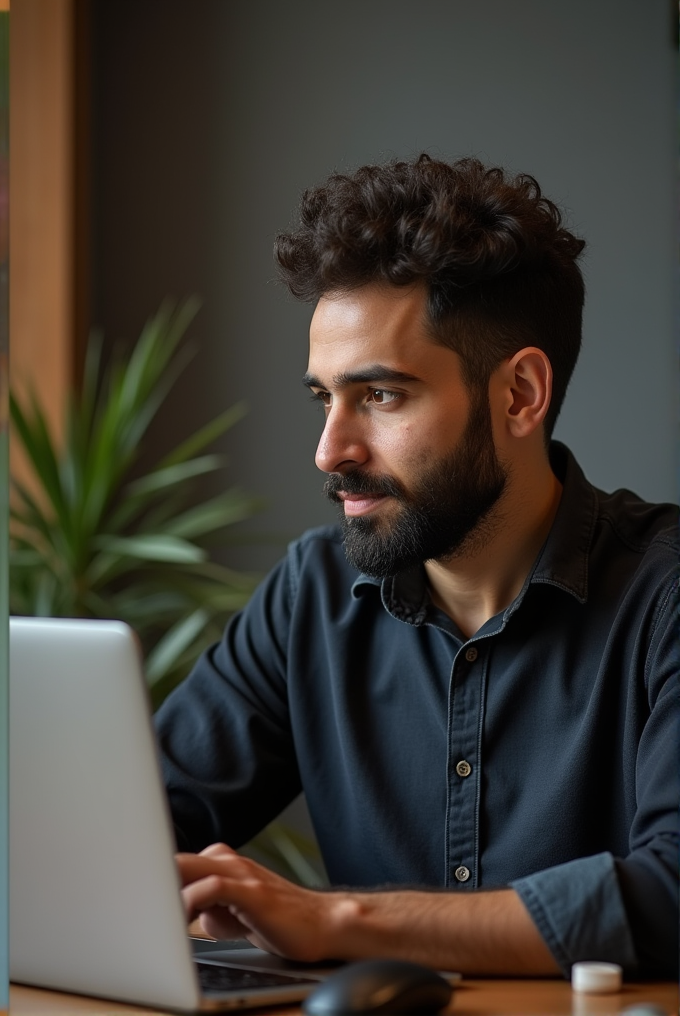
point(290, 852)
point(88, 538)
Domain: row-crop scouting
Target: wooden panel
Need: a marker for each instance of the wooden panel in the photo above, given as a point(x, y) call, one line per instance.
point(42, 282)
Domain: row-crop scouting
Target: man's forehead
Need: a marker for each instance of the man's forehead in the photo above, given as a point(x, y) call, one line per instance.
point(377, 334)
point(372, 307)
point(375, 324)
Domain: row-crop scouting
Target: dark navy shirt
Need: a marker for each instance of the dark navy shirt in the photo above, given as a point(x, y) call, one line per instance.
point(542, 753)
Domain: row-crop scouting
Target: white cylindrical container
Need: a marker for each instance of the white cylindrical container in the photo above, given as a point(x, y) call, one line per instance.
point(596, 978)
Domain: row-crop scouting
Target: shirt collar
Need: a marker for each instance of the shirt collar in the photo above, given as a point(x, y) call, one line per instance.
point(562, 561)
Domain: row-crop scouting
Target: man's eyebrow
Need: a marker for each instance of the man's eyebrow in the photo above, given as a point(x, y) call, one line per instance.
point(376, 372)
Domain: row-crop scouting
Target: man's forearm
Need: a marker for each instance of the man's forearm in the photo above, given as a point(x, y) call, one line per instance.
point(478, 933)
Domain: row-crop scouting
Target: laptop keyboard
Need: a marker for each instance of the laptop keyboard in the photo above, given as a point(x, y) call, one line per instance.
point(217, 978)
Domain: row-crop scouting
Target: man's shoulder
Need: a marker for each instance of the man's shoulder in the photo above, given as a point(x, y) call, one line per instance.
point(629, 516)
point(613, 538)
point(638, 542)
point(641, 526)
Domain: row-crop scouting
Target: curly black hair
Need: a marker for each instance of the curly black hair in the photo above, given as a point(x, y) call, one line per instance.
point(499, 266)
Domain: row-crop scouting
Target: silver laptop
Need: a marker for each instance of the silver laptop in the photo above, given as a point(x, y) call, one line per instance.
point(94, 893)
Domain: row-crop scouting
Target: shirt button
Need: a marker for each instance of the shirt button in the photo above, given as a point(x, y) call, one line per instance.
point(471, 654)
point(463, 768)
point(462, 873)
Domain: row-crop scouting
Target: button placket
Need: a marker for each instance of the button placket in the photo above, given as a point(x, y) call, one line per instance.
point(465, 715)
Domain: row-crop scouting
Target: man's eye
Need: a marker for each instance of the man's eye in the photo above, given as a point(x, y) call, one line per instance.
point(323, 397)
point(382, 397)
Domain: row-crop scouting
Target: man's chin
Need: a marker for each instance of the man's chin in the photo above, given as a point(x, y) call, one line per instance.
point(367, 530)
point(369, 554)
point(370, 567)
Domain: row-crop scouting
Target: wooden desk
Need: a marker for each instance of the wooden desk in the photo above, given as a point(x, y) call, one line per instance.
point(471, 998)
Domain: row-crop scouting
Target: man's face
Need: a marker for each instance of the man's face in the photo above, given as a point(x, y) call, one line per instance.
point(408, 447)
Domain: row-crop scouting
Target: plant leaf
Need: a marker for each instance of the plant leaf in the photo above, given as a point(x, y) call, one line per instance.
point(88, 395)
point(292, 854)
point(152, 547)
point(34, 436)
point(206, 435)
point(174, 642)
point(168, 476)
point(223, 510)
point(45, 595)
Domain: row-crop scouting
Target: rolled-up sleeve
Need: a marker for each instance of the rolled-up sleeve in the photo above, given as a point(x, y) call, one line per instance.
point(579, 911)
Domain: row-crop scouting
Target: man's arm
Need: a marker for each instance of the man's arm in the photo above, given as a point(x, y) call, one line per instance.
point(477, 933)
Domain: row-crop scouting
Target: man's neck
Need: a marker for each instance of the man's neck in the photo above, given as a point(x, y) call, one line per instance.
point(490, 571)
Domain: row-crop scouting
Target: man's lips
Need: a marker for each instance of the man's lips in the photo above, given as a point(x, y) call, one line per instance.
point(360, 504)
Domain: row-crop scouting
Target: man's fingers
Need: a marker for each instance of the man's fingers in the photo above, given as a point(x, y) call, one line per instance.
point(194, 866)
point(208, 893)
point(244, 895)
point(218, 850)
point(225, 906)
point(221, 923)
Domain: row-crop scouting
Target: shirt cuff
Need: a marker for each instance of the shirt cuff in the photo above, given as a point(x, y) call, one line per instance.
point(578, 909)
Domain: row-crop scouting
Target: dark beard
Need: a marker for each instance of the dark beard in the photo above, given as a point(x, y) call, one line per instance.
point(441, 513)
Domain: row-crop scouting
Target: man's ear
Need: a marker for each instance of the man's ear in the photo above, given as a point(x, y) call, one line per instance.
point(526, 380)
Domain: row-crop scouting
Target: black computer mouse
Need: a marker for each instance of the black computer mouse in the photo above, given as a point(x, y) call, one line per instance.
point(376, 986)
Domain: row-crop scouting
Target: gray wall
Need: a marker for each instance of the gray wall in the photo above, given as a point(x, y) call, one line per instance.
point(213, 116)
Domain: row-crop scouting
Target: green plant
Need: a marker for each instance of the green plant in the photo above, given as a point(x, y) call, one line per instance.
point(290, 852)
point(88, 539)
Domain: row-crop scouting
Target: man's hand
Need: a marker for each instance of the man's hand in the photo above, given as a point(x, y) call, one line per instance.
point(236, 897)
point(477, 933)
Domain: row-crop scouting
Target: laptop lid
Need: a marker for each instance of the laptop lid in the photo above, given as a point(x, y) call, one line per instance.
point(94, 893)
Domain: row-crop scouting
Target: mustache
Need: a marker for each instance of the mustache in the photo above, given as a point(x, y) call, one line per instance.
point(361, 483)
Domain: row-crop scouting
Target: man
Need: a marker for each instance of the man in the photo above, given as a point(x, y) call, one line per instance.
point(473, 679)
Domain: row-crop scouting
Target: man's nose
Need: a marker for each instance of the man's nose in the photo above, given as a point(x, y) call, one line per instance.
point(341, 447)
